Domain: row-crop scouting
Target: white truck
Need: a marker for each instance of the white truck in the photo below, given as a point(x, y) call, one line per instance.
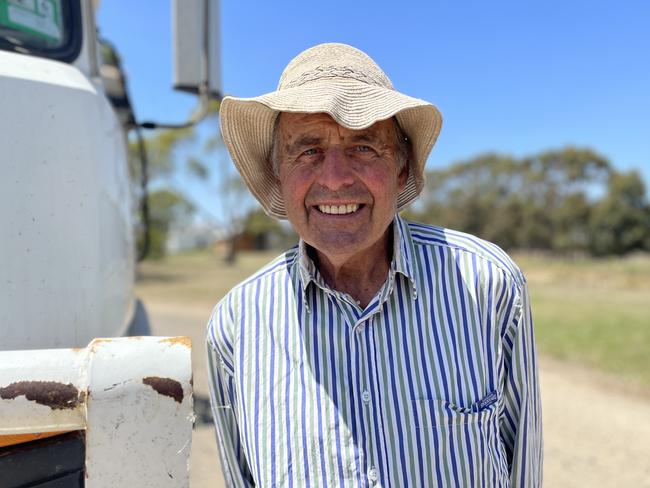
point(67, 250)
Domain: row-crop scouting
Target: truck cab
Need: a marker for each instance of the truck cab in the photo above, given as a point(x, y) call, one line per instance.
point(67, 254)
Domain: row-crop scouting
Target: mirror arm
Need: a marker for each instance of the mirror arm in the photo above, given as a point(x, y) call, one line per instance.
point(197, 116)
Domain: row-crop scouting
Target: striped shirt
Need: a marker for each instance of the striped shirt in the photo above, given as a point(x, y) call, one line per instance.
point(433, 384)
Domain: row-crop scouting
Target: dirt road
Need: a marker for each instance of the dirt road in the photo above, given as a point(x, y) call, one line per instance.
point(596, 434)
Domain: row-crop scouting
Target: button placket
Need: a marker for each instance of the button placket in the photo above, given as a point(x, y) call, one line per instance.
point(372, 402)
point(365, 398)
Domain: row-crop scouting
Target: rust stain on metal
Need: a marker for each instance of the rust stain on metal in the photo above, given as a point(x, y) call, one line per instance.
point(165, 386)
point(57, 396)
point(96, 342)
point(180, 340)
point(99, 341)
point(103, 340)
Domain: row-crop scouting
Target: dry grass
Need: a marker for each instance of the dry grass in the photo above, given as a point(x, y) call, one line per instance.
point(195, 279)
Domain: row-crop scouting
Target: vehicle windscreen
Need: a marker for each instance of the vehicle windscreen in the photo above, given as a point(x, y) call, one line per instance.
point(48, 28)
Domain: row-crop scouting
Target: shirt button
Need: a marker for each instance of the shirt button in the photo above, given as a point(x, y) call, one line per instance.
point(365, 396)
point(373, 475)
point(360, 329)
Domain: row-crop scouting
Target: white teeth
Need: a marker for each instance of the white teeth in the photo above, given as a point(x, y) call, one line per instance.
point(339, 209)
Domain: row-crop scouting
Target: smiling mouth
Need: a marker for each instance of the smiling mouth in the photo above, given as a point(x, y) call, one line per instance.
point(339, 209)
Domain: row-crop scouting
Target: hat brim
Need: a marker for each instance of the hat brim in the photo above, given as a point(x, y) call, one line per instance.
point(247, 129)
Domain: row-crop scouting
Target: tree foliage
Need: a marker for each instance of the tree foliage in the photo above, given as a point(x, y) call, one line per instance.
point(166, 203)
point(198, 152)
point(620, 222)
point(567, 200)
point(167, 206)
point(267, 232)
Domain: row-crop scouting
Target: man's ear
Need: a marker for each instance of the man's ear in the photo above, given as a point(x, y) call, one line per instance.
point(273, 171)
point(403, 176)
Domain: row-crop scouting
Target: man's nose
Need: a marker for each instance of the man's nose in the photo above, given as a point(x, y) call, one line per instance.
point(335, 171)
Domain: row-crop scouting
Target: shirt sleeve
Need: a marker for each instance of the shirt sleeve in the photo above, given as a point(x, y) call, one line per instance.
point(521, 420)
point(235, 468)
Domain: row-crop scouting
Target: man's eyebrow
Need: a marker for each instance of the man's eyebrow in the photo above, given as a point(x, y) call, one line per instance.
point(303, 141)
point(364, 137)
point(308, 140)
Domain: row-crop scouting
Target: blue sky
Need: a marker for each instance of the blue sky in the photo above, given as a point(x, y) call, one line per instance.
point(508, 76)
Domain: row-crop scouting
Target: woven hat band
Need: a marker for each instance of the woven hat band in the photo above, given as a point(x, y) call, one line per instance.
point(333, 61)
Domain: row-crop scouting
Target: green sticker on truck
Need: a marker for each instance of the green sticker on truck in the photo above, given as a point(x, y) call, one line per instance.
point(40, 18)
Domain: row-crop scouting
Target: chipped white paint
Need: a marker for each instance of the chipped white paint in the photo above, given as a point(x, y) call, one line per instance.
point(135, 404)
point(152, 430)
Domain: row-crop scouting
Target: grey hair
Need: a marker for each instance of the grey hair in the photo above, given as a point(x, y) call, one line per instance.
point(402, 144)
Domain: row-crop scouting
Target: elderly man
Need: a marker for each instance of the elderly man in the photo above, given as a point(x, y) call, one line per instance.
point(377, 351)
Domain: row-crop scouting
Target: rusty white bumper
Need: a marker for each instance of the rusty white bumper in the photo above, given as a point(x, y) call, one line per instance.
point(131, 396)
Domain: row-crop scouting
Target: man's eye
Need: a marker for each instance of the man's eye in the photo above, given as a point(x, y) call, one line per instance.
point(310, 152)
point(364, 148)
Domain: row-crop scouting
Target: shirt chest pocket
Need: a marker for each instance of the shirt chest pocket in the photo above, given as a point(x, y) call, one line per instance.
point(435, 413)
point(465, 440)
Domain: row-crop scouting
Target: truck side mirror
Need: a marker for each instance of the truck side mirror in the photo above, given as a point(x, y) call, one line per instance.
point(197, 46)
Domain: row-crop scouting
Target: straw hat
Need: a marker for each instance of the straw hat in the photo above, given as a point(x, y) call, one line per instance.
point(342, 82)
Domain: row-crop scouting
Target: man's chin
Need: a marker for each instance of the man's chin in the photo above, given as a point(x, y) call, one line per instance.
point(341, 246)
point(337, 244)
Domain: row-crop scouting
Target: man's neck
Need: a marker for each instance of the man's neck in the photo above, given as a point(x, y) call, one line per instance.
point(361, 275)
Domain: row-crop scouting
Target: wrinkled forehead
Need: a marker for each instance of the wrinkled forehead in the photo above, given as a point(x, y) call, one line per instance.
point(292, 126)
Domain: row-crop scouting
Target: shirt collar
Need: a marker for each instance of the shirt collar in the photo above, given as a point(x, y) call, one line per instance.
point(402, 261)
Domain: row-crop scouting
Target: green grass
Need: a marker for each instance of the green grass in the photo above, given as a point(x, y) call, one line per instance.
point(594, 312)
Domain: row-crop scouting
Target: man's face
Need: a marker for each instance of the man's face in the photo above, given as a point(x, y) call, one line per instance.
point(340, 186)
